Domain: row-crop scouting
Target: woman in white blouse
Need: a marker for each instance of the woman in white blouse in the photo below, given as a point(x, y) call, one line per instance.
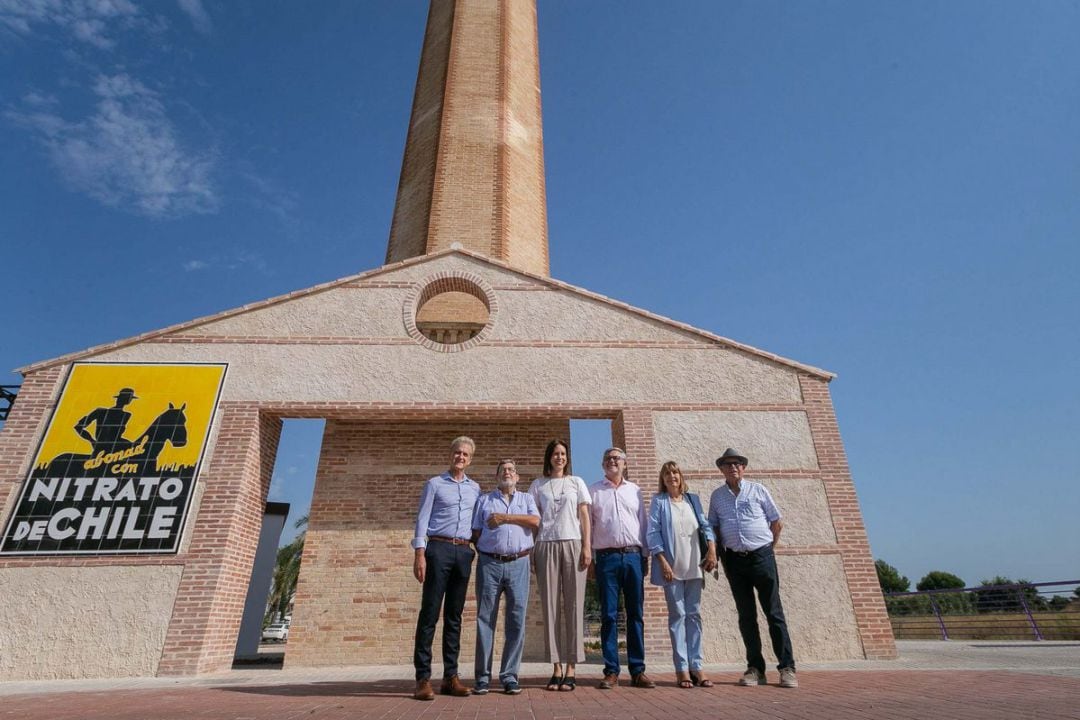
point(675, 515)
point(561, 556)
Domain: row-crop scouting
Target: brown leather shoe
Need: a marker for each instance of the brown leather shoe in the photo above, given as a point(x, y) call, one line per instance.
point(610, 682)
point(424, 690)
point(453, 686)
point(641, 680)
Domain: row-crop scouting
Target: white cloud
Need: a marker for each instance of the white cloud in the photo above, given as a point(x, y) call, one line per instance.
point(126, 154)
point(277, 488)
point(40, 100)
point(199, 17)
point(245, 260)
point(249, 260)
point(269, 196)
point(86, 20)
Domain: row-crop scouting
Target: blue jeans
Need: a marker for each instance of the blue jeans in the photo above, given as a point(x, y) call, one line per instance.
point(493, 578)
point(621, 572)
point(684, 622)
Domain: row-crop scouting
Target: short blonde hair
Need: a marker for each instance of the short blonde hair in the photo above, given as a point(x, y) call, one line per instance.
point(673, 467)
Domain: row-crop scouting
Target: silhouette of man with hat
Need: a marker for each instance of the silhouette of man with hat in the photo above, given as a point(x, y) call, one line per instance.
point(109, 424)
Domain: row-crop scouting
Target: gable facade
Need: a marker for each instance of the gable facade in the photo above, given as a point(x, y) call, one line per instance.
point(350, 351)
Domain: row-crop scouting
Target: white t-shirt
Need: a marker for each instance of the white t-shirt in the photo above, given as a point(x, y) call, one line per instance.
point(686, 553)
point(557, 499)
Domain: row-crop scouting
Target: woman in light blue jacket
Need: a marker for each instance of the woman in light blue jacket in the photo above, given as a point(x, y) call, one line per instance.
point(674, 518)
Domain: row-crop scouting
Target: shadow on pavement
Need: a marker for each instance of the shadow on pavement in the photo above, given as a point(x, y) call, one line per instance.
point(404, 688)
point(368, 688)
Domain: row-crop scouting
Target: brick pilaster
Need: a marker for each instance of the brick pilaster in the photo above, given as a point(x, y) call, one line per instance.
point(633, 431)
point(210, 600)
point(875, 631)
point(23, 430)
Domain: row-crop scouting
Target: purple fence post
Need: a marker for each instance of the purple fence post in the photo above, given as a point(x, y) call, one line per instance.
point(1027, 611)
point(937, 614)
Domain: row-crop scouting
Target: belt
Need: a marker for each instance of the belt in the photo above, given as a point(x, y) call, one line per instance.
point(451, 540)
point(622, 551)
point(746, 553)
point(507, 558)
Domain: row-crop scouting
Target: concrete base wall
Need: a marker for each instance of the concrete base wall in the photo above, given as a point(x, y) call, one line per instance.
point(84, 622)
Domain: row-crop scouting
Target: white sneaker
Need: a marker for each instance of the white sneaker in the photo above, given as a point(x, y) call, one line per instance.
point(752, 677)
point(788, 679)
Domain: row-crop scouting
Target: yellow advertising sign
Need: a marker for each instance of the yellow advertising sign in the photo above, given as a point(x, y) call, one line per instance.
point(115, 470)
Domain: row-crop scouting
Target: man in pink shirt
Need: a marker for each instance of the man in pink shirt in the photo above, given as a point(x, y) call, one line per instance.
point(620, 557)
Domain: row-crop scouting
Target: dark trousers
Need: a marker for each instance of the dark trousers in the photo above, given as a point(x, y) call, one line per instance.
point(445, 585)
point(621, 572)
point(745, 574)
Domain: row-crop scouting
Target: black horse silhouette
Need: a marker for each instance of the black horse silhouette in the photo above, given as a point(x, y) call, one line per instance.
point(139, 459)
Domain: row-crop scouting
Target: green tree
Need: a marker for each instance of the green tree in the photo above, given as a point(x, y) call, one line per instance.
point(1059, 602)
point(908, 605)
point(1008, 599)
point(992, 599)
point(890, 579)
point(939, 580)
point(286, 573)
point(948, 603)
point(1035, 601)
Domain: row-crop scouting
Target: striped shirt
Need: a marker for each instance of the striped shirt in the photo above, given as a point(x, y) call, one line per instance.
point(509, 539)
point(742, 521)
point(446, 509)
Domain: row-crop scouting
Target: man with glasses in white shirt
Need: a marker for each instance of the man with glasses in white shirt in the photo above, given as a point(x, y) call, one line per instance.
point(747, 525)
point(620, 559)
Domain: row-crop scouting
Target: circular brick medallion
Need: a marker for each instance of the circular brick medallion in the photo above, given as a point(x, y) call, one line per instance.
point(450, 311)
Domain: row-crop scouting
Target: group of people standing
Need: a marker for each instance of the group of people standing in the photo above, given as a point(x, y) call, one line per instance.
point(557, 530)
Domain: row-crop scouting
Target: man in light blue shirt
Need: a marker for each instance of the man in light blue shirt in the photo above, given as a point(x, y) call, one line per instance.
point(442, 561)
point(747, 525)
point(503, 527)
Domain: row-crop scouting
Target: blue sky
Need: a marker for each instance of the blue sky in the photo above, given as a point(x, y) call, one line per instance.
point(885, 190)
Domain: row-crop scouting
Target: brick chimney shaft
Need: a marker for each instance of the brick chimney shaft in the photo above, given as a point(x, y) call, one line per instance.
point(473, 170)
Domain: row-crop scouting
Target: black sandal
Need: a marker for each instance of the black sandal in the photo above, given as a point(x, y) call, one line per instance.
point(554, 683)
point(695, 677)
point(568, 682)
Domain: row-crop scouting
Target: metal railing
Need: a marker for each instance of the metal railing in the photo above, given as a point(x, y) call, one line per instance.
point(1019, 611)
point(7, 399)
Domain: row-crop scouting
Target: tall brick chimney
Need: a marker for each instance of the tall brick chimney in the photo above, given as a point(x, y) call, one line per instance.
point(473, 171)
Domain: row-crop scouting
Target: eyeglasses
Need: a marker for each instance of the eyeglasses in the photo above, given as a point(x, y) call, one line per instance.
point(613, 458)
point(729, 464)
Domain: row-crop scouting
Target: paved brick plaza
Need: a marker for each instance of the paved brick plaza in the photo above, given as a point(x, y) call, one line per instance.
point(979, 695)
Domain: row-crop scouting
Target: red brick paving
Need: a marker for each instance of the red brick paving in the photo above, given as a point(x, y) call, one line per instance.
point(890, 695)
